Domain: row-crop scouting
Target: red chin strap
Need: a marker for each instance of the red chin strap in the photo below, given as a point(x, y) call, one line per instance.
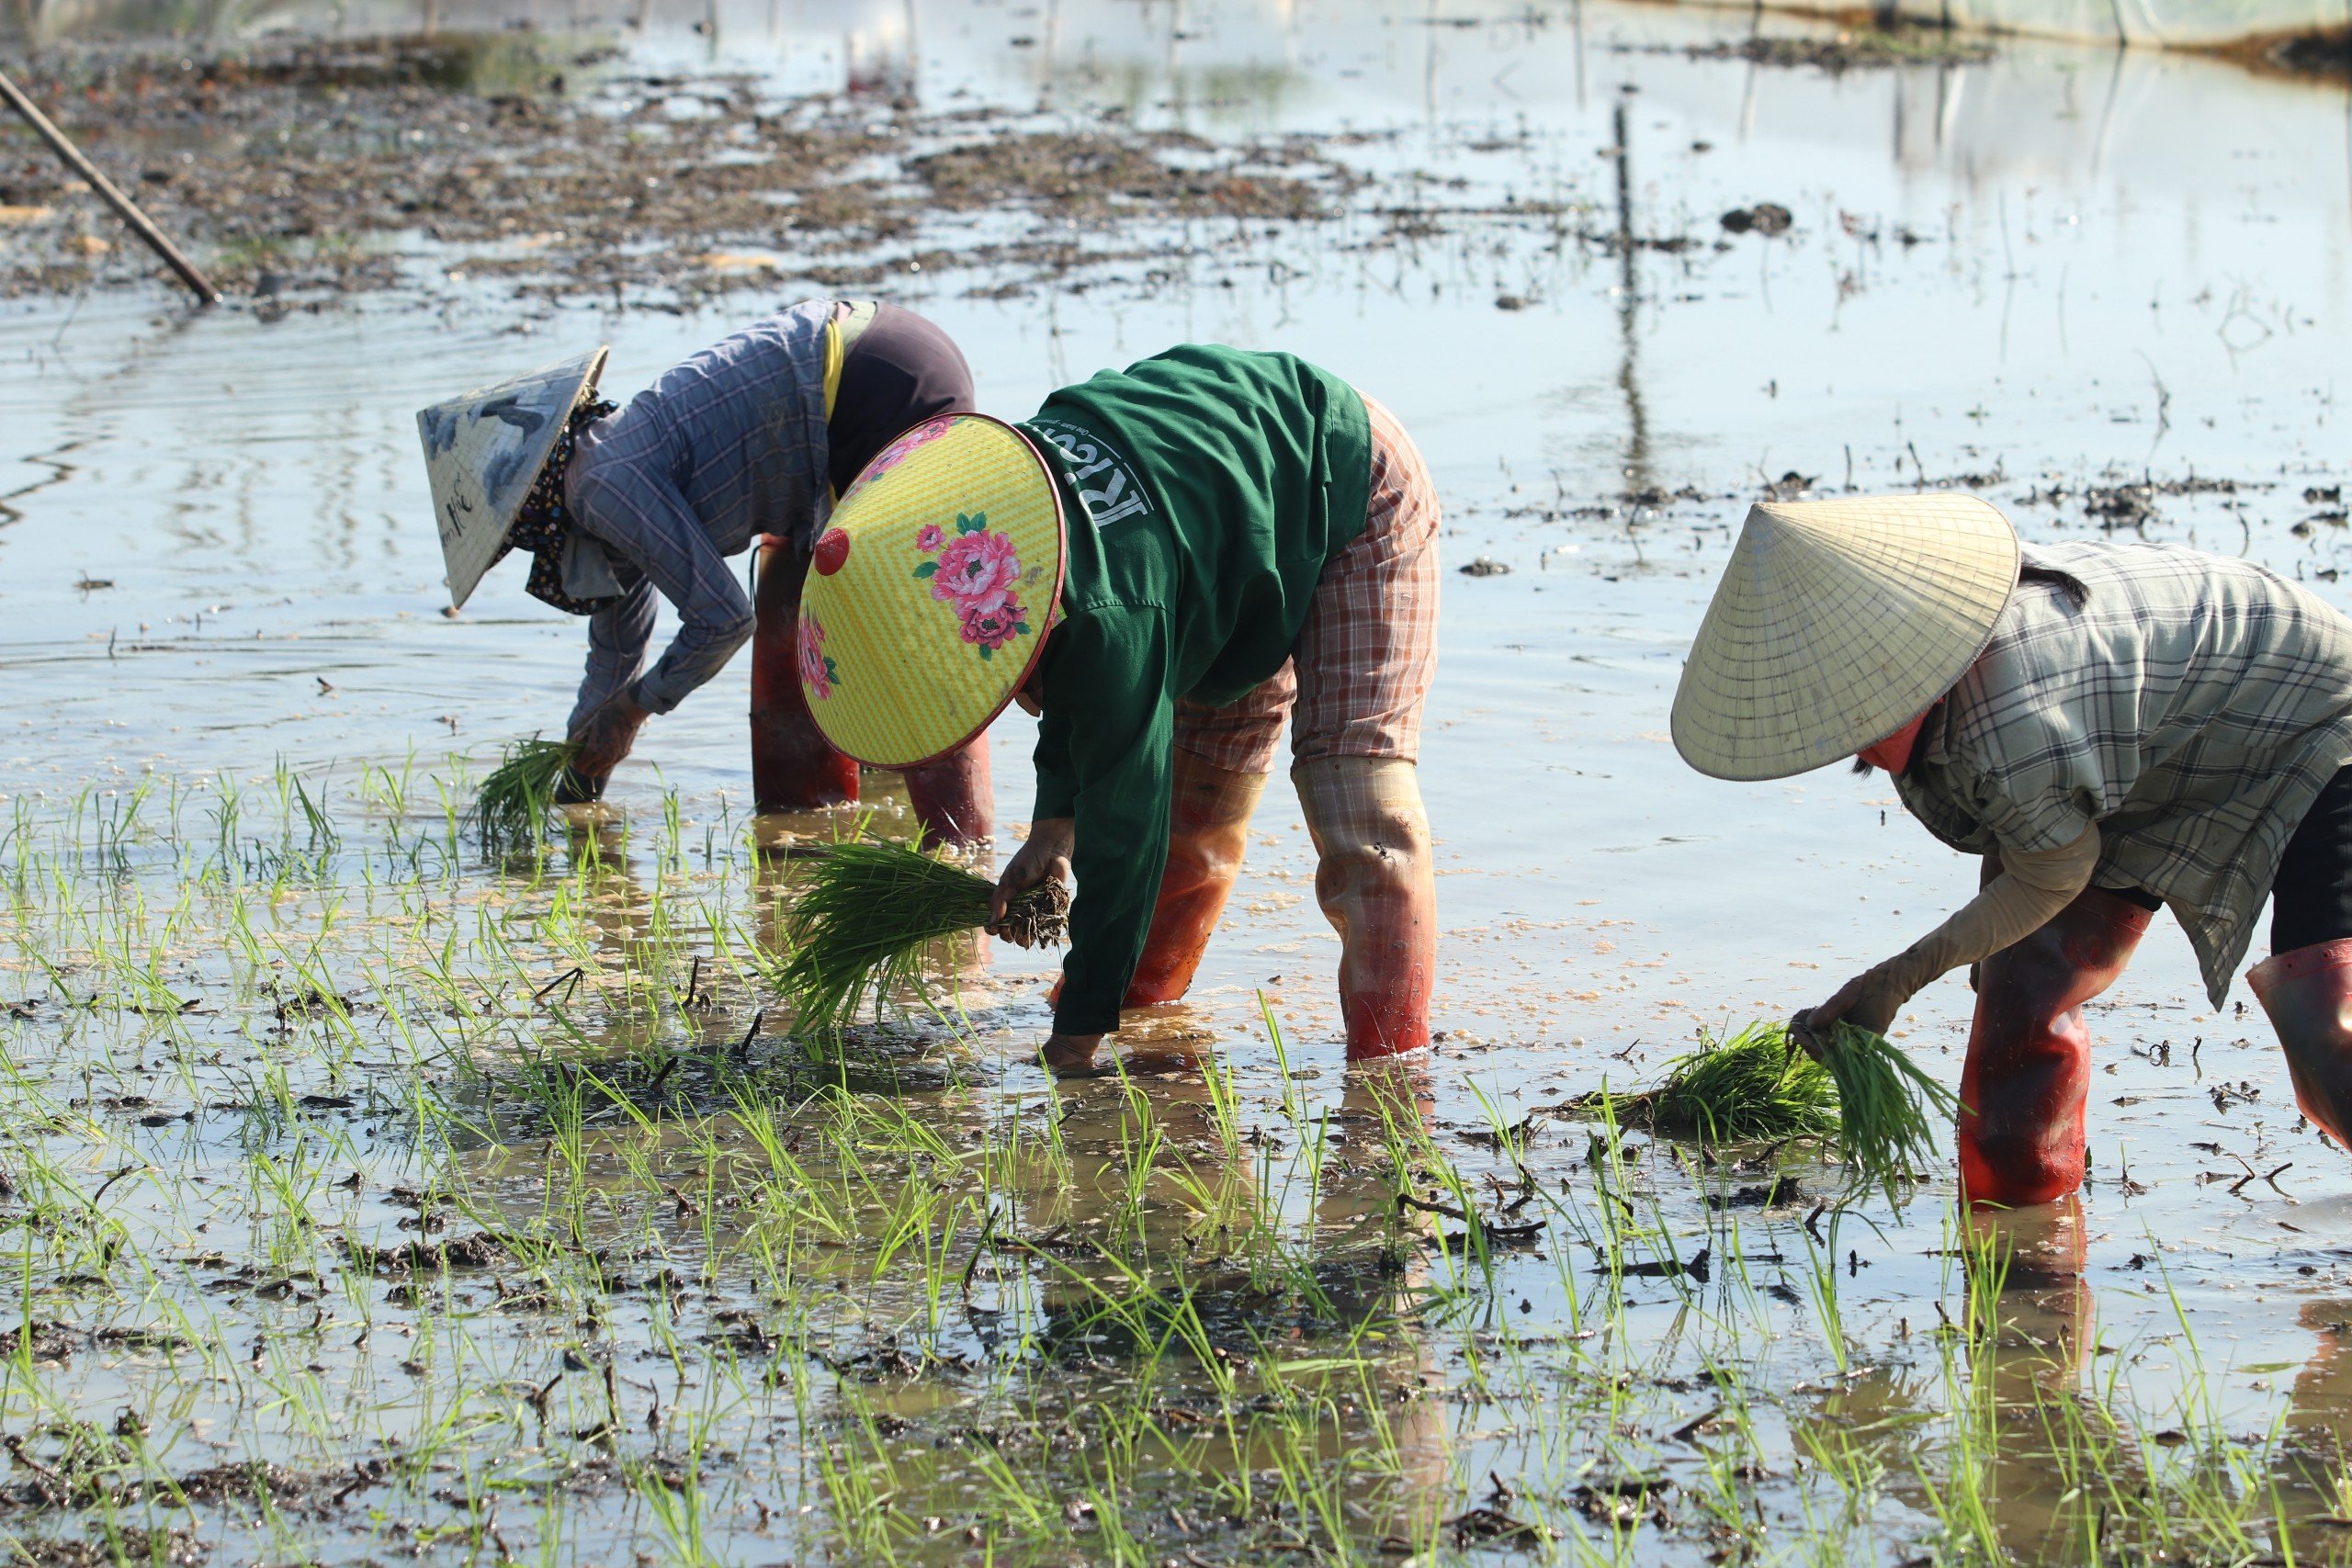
point(1894, 753)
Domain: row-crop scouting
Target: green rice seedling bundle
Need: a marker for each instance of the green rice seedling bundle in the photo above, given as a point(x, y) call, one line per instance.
point(1748, 1088)
point(1890, 1113)
point(869, 912)
point(510, 810)
point(1884, 1113)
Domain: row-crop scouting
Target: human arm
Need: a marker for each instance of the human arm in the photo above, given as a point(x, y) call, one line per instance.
point(2030, 886)
point(638, 516)
point(1103, 767)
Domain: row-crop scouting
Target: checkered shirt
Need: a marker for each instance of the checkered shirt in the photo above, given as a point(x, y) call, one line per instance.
point(2192, 708)
point(724, 447)
point(1358, 675)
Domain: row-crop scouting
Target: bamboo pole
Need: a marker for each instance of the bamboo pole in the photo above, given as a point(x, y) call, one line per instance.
point(125, 209)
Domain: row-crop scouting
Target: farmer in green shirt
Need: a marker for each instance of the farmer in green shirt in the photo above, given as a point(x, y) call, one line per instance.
point(1163, 564)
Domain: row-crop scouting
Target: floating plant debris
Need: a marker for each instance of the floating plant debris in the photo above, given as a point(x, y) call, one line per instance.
point(869, 910)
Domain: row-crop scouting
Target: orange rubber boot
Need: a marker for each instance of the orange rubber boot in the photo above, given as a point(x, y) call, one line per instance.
point(1378, 889)
point(2028, 1074)
point(1208, 825)
point(955, 798)
point(794, 767)
point(2308, 994)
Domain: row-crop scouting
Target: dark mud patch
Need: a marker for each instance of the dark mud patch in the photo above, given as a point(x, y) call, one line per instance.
point(1850, 49)
point(2322, 55)
point(301, 171)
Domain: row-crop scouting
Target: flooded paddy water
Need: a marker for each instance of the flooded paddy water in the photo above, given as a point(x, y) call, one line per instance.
point(364, 1199)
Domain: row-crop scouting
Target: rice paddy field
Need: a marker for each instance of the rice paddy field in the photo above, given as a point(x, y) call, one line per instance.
point(366, 1197)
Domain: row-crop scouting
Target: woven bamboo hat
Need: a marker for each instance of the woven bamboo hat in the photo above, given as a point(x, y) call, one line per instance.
point(930, 596)
point(483, 452)
point(1838, 623)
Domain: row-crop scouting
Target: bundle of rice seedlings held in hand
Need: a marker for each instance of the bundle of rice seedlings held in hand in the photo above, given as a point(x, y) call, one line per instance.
point(510, 810)
point(869, 912)
point(1889, 1113)
point(1884, 1113)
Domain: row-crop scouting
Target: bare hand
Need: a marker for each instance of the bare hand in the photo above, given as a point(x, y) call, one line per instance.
point(1044, 858)
point(606, 737)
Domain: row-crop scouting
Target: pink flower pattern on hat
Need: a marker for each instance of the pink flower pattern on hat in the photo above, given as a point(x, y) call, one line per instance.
point(817, 672)
point(976, 574)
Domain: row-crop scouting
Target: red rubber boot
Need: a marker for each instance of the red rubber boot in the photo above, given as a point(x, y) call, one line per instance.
point(794, 768)
point(2029, 1072)
point(1378, 889)
point(955, 798)
point(2308, 994)
point(1208, 825)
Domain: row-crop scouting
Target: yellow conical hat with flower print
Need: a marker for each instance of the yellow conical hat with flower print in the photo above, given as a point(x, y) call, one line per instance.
point(930, 595)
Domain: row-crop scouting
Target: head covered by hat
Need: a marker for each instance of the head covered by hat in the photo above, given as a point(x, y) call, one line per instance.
point(484, 451)
point(929, 598)
point(1837, 622)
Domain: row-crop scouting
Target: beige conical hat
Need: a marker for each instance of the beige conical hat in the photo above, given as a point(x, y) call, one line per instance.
point(484, 451)
point(1838, 623)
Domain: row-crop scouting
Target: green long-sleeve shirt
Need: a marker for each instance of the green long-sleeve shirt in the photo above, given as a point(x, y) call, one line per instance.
point(1206, 489)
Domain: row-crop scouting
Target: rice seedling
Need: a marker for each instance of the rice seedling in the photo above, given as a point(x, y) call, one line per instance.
point(869, 912)
point(1751, 1088)
point(510, 809)
point(1889, 1112)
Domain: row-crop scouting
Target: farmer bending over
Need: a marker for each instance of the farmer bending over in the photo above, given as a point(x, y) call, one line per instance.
point(2114, 727)
point(748, 441)
point(1162, 564)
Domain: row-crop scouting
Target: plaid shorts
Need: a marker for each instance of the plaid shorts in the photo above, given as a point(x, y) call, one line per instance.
point(1356, 678)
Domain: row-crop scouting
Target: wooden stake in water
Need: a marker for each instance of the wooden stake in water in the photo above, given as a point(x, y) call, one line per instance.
point(125, 209)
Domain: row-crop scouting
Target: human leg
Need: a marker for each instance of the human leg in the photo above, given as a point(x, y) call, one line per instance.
point(1365, 659)
point(794, 767)
point(1222, 758)
point(2027, 1076)
point(2305, 985)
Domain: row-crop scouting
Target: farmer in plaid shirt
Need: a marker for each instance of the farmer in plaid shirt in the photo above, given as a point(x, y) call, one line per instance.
point(2114, 728)
point(1163, 564)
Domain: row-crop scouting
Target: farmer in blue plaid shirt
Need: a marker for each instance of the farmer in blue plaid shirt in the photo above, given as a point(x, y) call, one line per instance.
point(745, 445)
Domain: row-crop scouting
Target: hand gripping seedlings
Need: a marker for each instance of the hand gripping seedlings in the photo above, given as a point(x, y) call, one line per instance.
point(869, 910)
point(510, 810)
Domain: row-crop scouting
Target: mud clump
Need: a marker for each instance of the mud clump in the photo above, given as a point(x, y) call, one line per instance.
point(1766, 218)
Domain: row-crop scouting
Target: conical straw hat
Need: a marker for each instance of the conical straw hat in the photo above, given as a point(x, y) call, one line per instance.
point(930, 595)
point(484, 451)
point(1838, 623)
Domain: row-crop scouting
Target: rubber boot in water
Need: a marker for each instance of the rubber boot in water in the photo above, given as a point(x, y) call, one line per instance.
point(1378, 888)
point(955, 798)
point(1208, 825)
point(794, 768)
point(2029, 1072)
point(2308, 994)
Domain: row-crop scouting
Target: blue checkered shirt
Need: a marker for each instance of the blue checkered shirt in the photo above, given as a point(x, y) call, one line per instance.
point(727, 446)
